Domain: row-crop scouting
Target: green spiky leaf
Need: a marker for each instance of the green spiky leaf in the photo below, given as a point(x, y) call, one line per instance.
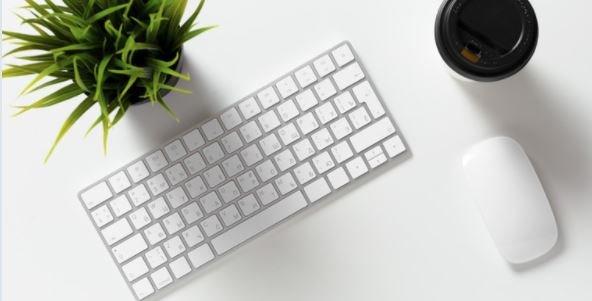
point(74, 116)
point(116, 52)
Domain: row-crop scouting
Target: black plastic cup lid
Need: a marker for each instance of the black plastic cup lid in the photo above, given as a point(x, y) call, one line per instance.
point(486, 40)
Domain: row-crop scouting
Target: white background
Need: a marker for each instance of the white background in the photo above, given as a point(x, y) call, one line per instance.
point(409, 233)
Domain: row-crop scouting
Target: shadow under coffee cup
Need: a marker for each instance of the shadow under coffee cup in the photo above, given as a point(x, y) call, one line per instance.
point(486, 40)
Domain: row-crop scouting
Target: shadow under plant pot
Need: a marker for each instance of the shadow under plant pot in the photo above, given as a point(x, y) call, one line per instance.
point(171, 81)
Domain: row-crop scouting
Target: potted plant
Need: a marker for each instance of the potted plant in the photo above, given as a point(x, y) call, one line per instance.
point(106, 53)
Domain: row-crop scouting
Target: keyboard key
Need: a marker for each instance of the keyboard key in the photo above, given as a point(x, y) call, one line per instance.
point(154, 234)
point(175, 150)
point(174, 246)
point(267, 194)
point(285, 160)
point(365, 94)
point(249, 108)
point(250, 131)
point(307, 123)
point(200, 255)
point(348, 76)
point(129, 248)
point(194, 140)
point(325, 89)
point(195, 163)
point(375, 157)
point(344, 102)
point(342, 152)
point(324, 65)
point(247, 181)
point(135, 268)
point(210, 202)
point(230, 118)
point(232, 142)
point(191, 213)
point(213, 152)
point(119, 182)
point(102, 216)
point(120, 205)
point(251, 155)
point(342, 55)
point(117, 231)
point(305, 76)
point(258, 223)
point(248, 205)
point(268, 97)
point(356, 167)
point(285, 183)
point(229, 192)
point(156, 161)
point(287, 110)
point(176, 174)
point(158, 208)
point(372, 134)
point(286, 87)
point(341, 128)
point(161, 278)
point(304, 173)
point(173, 223)
point(138, 171)
point(211, 225)
point(394, 146)
point(266, 171)
point(323, 162)
point(177, 197)
point(143, 288)
point(269, 121)
point(359, 118)
point(212, 129)
point(157, 184)
point(230, 215)
point(96, 195)
point(214, 176)
point(140, 218)
point(192, 236)
point(306, 100)
point(289, 134)
point(155, 257)
point(317, 189)
point(195, 187)
point(322, 139)
point(180, 267)
point(303, 149)
point(233, 166)
point(270, 144)
point(326, 113)
point(139, 195)
point(338, 178)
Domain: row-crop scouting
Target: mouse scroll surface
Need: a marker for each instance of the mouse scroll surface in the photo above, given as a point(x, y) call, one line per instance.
point(511, 199)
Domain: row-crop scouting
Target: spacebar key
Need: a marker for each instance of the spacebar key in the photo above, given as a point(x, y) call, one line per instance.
point(259, 222)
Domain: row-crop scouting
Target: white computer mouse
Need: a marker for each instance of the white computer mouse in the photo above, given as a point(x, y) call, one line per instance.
point(511, 198)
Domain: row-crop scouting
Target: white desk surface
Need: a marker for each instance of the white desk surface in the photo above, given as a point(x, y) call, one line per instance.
point(417, 237)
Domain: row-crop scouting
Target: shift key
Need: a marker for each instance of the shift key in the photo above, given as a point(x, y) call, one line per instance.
point(129, 248)
point(372, 134)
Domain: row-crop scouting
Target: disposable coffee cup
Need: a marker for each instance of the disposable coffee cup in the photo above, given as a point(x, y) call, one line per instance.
point(486, 40)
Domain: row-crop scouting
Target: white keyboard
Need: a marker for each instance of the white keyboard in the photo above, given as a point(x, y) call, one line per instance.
point(269, 156)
